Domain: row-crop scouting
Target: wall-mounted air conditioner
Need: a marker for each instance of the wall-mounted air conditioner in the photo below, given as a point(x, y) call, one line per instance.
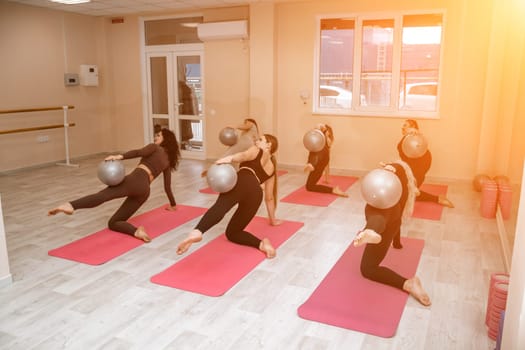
point(223, 30)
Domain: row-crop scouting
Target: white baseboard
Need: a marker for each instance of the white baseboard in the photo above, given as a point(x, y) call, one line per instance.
point(6, 281)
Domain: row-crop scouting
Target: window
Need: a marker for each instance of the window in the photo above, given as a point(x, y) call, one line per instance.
point(390, 62)
point(172, 31)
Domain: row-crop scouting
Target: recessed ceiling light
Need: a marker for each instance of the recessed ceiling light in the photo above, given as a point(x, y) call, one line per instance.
point(71, 2)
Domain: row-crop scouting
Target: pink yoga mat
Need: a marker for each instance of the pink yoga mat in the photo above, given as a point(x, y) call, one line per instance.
point(429, 210)
point(104, 245)
point(302, 196)
point(208, 190)
point(346, 299)
point(214, 268)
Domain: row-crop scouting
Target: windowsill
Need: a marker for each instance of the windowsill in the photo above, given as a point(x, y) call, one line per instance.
point(379, 114)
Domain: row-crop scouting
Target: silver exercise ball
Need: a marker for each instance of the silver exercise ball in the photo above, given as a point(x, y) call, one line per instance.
point(228, 136)
point(111, 172)
point(221, 177)
point(414, 146)
point(381, 188)
point(314, 140)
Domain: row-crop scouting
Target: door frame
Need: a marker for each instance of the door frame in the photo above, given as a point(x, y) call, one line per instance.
point(171, 52)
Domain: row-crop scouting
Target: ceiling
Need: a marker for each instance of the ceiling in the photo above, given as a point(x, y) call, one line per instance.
point(111, 8)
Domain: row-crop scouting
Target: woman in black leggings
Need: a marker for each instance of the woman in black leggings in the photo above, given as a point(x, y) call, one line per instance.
point(162, 156)
point(420, 165)
point(381, 227)
point(318, 162)
point(257, 167)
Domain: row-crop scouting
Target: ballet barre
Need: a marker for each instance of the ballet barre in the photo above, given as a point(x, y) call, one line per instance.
point(15, 131)
point(42, 109)
point(66, 125)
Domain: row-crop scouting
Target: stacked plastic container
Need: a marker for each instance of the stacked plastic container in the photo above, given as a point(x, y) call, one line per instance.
point(497, 301)
point(489, 199)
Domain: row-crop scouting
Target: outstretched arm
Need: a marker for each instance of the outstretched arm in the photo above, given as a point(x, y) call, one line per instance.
point(269, 200)
point(327, 173)
point(329, 142)
point(114, 157)
point(239, 157)
point(167, 189)
point(245, 126)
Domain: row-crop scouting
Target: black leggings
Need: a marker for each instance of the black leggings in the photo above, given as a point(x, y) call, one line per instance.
point(374, 254)
point(136, 187)
point(427, 197)
point(248, 194)
point(319, 161)
point(424, 196)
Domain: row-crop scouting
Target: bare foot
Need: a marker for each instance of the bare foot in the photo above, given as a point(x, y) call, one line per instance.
point(444, 201)
point(396, 243)
point(171, 208)
point(367, 236)
point(308, 168)
point(337, 191)
point(65, 208)
point(414, 287)
point(276, 222)
point(140, 233)
point(193, 237)
point(266, 247)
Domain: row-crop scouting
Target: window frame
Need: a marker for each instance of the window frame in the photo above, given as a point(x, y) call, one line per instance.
point(376, 111)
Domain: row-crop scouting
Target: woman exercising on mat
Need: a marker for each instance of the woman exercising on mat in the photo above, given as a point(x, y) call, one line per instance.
point(318, 162)
point(256, 170)
point(247, 138)
point(420, 165)
point(381, 227)
point(162, 156)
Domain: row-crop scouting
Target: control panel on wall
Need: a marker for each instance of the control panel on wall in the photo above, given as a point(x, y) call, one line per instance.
point(88, 75)
point(70, 79)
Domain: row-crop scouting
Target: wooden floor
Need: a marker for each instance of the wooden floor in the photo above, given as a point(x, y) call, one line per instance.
point(59, 304)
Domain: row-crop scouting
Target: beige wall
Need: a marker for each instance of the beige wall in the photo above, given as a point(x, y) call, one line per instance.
point(37, 47)
point(511, 115)
point(481, 69)
point(226, 85)
point(361, 142)
point(263, 58)
point(125, 93)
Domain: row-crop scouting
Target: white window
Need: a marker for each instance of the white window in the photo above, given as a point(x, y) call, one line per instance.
point(392, 62)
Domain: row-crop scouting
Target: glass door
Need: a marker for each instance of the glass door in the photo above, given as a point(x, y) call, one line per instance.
point(189, 114)
point(158, 67)
point(175, 98)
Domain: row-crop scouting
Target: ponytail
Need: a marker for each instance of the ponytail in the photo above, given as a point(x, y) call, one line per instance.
point(274, 162)
point(275, 145)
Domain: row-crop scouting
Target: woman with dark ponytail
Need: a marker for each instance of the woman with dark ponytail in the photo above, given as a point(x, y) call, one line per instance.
point(319, 163)
point(257, 170)
point(162, 156)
